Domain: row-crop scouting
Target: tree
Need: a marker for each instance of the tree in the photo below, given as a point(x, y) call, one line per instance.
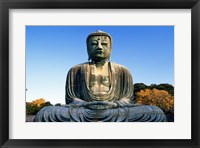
point(160, 98)
point(58, 104)
point(33, 107)
point(46, 104)
point(166, 87)
point(39, 102)
point(139, 86)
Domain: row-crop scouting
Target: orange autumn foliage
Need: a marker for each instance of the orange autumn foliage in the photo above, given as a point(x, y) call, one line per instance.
point(160, 98)
point(38, 102)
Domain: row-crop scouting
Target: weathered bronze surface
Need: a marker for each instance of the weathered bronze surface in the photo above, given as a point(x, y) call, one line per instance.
point(100, 90)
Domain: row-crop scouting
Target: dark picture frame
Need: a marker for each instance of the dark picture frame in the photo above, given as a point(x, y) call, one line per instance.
point(5, 5)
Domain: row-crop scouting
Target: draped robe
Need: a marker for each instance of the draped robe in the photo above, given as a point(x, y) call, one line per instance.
point(77, 84)
point(121, 87)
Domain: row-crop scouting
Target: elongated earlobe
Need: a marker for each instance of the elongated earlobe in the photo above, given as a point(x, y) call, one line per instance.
point(89, 59)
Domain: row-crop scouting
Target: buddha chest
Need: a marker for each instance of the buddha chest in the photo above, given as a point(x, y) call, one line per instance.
point(99, 81)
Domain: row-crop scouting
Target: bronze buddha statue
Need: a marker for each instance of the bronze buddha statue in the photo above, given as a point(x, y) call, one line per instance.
point(100, 91)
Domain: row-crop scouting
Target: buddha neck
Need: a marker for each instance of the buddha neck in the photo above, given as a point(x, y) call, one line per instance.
point(99, 63)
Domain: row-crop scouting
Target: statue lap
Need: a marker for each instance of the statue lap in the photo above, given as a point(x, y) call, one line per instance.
point(73, 113)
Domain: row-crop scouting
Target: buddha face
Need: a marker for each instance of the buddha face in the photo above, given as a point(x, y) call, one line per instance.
point(99, 48)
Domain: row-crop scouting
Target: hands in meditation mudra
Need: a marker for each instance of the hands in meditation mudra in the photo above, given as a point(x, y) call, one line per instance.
point(99, 91)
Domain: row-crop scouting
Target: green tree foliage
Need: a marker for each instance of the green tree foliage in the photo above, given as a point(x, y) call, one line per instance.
point(169, 88)
point(141, 86)
point(47, 104)
point(58, 104)
point(31, 109)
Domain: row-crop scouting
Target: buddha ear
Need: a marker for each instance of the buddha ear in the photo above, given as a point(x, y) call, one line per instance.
point(109, 59)
point(89, 58)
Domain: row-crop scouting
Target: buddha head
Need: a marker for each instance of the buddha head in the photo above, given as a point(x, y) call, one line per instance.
point(99, 46)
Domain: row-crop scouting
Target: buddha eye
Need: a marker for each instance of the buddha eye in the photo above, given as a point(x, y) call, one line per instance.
point(93, 43)
point(104, 43)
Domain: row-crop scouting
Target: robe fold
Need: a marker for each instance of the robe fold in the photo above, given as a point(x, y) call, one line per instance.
point(77, 84)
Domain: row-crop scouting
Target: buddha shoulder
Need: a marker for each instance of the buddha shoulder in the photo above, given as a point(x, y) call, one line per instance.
point(78, 66)
point(119, 67)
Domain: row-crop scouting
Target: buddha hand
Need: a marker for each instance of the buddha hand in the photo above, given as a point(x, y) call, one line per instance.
point(78, 102)
point(97, 105)
point(122, 102)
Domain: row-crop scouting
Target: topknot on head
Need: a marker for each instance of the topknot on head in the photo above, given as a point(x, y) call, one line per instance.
point(99, 33)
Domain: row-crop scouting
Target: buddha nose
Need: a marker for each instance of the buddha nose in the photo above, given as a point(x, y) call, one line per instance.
point(99, 47)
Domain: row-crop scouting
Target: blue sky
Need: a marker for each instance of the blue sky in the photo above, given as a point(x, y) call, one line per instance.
point(147, 51)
